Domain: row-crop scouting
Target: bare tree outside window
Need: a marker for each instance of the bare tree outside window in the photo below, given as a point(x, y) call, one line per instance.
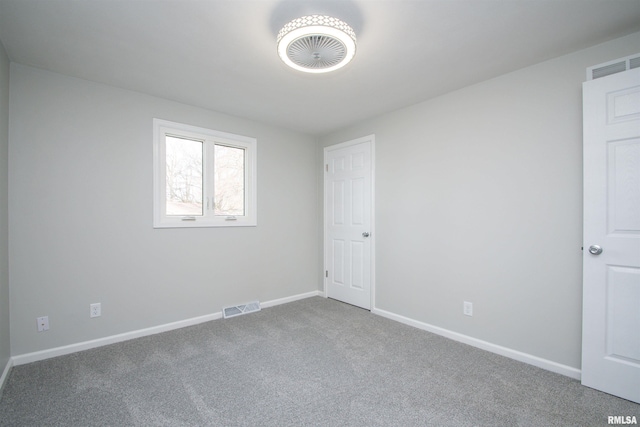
point(229, 180)
point(202, 177)
point(184, 176)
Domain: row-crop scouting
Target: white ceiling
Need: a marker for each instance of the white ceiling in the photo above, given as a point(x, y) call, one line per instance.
point(221, 54)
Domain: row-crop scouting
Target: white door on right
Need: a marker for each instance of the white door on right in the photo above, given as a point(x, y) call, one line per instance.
point(611, 263)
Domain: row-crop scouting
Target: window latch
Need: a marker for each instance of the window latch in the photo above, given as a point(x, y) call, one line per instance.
point(231, 218)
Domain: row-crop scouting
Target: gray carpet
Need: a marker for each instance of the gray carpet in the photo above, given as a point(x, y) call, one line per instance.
point(307, 363)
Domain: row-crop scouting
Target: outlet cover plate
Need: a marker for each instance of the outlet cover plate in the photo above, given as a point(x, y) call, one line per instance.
point(467, 308)
point(95, 310)
point(43, 323)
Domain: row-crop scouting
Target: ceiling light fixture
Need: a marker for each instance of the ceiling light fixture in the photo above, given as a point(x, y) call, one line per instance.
point(316, 44)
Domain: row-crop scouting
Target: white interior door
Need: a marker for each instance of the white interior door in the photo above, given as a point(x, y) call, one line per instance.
point(611, 279)
point(349, 221)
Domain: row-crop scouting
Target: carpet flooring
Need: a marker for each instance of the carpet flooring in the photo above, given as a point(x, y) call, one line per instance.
point(314, 362)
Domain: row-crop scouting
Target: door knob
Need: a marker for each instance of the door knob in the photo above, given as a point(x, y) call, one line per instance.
point(365, 234)
point(595, 250)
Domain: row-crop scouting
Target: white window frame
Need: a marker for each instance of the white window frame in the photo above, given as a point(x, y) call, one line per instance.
point(210, 138)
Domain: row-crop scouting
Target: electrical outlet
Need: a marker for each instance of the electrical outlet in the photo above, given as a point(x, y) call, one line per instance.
point(467, 308)
point(43, 323)
point(95, 310)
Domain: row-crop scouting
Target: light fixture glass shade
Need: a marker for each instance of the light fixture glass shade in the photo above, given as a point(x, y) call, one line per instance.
point(316, 44)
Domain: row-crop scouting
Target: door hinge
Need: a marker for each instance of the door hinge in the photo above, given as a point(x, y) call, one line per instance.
point(326, 167)
point(326, 273)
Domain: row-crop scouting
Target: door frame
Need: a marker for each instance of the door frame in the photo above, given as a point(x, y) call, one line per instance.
point(371, 139)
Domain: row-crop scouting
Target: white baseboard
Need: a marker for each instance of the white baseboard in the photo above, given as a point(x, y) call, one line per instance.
point(484, 345)
point(293, 298)
point(5, 374)
point(86, 345)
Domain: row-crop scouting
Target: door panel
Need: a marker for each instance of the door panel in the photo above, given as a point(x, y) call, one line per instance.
point(611, 278)
point(348, 221)
point(338, 203)
point(357, 265)
point(624, 176)
point(623, 314)
point(337, 266)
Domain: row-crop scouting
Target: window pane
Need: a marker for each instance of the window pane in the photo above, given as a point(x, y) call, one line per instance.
point(229, 180)
point(184, 176)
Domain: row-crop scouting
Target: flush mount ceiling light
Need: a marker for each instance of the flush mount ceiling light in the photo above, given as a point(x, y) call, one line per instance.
point(316, 44)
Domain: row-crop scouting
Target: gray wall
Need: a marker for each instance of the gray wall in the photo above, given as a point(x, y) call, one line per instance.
point(80, 215)
point(5, 348)
point(479, 198)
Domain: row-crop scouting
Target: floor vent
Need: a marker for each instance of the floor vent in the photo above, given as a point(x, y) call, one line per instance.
point(237, 310)
point(613, 67)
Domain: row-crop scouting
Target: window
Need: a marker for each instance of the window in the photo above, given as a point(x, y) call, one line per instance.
point(202, 177)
